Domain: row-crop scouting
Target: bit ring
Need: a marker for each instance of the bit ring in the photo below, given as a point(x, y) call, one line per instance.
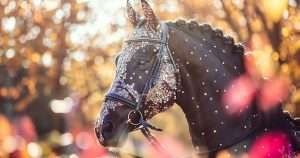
point(131, 113)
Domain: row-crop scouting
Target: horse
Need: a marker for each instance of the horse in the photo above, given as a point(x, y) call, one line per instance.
point(190, 64)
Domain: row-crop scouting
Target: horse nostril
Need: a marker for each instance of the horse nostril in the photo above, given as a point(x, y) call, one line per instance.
point(107, 126)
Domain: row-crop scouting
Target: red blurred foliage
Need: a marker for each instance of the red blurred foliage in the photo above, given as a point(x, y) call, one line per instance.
point(271, 145)
point(86, 142)
point(19, 154)
point(239, 95)
point(243, 90)
point(273, 92)
point(26, 129)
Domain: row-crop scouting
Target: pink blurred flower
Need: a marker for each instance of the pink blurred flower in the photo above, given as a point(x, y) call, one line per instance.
point(26, 128)
point(239, 95)
point(86, 142)
point(273, 92)
point(243, 90)
point(271, 145)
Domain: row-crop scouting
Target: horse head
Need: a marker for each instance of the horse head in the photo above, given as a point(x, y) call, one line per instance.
point(145, 82)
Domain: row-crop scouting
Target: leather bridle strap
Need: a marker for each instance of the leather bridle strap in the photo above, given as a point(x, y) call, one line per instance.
point(116, 97)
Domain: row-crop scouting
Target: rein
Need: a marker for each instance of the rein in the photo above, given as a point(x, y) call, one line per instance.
point(142, 124)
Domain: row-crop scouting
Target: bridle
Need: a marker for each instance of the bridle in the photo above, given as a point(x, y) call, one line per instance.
point(136, 106)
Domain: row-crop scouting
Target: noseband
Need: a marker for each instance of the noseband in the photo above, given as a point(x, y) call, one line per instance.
point(154, 72)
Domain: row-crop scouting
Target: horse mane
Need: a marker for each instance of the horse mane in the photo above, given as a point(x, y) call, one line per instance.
point(215, 39)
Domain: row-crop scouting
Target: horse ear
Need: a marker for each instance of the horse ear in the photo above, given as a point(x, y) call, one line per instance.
point(151, 19)
point(132, 15)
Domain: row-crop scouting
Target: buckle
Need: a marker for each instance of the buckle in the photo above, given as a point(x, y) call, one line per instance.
point(132, 117)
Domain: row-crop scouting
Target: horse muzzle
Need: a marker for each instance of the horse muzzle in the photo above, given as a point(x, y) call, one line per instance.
point(109, 135)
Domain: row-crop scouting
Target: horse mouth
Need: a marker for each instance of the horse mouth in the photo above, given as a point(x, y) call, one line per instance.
point(113, 140)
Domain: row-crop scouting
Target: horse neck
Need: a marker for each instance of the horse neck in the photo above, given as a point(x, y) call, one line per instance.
point(204, 78)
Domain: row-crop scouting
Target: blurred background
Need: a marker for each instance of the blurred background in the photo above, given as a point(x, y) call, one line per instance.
point(56, 63)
